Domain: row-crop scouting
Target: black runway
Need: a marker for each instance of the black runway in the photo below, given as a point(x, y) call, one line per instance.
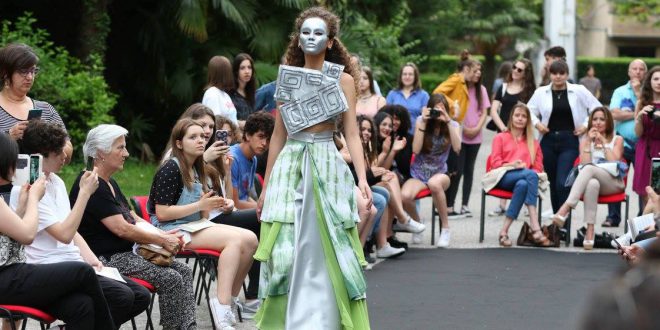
point(485, 288)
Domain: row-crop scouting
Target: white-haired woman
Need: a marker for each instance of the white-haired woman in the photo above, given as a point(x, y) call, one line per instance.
point(109, 227)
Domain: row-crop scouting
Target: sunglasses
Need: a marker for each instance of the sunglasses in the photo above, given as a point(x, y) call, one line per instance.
point(518, 69)
point(26, 72)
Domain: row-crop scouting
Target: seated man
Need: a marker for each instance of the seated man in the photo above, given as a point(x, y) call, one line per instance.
point(256, 137)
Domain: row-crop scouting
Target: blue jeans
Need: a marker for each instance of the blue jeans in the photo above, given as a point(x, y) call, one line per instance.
point(381, 197)
point(560, 149)
point(525, 186)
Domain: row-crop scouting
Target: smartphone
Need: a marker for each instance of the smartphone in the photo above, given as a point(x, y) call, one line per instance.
point(22, 173)
point(222, 135)
point(618, 245)
point(34, 114)
point(35, 167)
point(90, 164)
point(655, 174)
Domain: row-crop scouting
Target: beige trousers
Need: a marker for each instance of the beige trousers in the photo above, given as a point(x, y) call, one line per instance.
point(590, 183)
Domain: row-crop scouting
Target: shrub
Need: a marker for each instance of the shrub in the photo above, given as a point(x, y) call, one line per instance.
point(612, 72)
point(78, 91)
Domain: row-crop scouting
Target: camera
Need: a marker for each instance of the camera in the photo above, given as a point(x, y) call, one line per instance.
point(434, 113)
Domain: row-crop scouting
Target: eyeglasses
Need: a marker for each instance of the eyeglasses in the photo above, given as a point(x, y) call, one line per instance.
point(25, 72)
point(518, 69)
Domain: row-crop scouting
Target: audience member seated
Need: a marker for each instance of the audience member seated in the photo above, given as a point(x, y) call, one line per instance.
point(435, 133)
point(69, 291)
point(219, 172)
point(401, 126)
point(601, 149)
point(637, 251)
point(225, 124)
point(256, 137)
point(57, 238)
point(111, 230)
point(179, 195)
point(516, 152)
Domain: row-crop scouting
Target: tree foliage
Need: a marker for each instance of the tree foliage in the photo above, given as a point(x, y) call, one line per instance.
point(643, 10)
point(77, 90)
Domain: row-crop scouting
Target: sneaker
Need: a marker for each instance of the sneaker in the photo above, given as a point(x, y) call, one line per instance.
point(466, 212)
point(497, 212)
point(249, 309)
point(368, 257)
point(222, 315)
point(445, 236)
point(624, 240)
point(395, 243)
point(417, 238)
point(387, 251)
point(411, 226)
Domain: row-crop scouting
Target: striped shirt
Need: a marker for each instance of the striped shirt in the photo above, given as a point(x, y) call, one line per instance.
point(49, 114)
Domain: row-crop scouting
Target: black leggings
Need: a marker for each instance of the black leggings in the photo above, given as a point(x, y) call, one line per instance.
point(464, 167)
point(69, 291)
point(246, 219)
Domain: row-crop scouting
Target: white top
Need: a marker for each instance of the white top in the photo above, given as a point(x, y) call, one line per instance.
point(580, 99)
point(597, 154)
point(54, 207)
point(220, 102)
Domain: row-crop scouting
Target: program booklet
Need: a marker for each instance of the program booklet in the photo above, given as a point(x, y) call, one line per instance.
point(637, 225)
point(196, 226)
point(110, 272)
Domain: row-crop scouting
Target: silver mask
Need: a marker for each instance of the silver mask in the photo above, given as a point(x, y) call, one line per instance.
point(313, 36)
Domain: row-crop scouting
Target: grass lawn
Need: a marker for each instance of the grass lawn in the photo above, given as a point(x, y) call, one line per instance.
point(134, 179)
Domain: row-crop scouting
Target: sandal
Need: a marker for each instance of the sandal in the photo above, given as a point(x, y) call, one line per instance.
point(505, 241)
point(608, 223)
point(542, 240)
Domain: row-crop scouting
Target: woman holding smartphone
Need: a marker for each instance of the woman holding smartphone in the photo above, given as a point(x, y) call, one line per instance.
point(647, 127)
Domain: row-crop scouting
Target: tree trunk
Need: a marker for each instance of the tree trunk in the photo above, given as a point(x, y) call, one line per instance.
point(488, 71)
point(94, 29)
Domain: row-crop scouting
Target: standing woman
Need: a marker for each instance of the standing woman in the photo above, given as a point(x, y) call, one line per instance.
point(647, 127)
point(409, 93)
point(309, 240)
point(473, 124)
point(18, 71)
point(220, 80)
point(245, 87)
point(563, 109)
point(368, 101)
point(455, 88)
point(518, 86)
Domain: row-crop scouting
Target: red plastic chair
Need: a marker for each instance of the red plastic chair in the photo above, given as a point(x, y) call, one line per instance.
point(151, 289)
point(15, 313)
point(499, 193)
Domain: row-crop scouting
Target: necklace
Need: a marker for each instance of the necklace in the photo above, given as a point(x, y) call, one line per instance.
point(365, 98)
point(559, 93)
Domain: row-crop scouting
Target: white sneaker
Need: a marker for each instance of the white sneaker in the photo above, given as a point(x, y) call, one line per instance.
point(445, 236)
point(387, 251)
point(624, 240)
point(411, 226)
point(417, 238)
point(249, 309)
point(222, 315)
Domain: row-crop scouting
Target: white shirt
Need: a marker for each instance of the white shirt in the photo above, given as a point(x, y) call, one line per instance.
point(220, 102)
point(54, 207)
point(580, 99)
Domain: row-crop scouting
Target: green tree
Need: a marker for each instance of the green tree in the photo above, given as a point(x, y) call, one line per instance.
point(642, 10)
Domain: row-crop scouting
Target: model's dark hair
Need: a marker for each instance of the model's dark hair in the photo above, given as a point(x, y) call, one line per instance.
point(259, 121)
point(220, 74)
point(13, 57)
point(529, 84)
point(178, 133)
point(251, 86)
point(646, 95)
point(8, 156)
point(556, 52)
point(336, 54)
point(431, 125)
point(400, 112)
point(417, 84)
point(558, 67)
point(42, 137)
